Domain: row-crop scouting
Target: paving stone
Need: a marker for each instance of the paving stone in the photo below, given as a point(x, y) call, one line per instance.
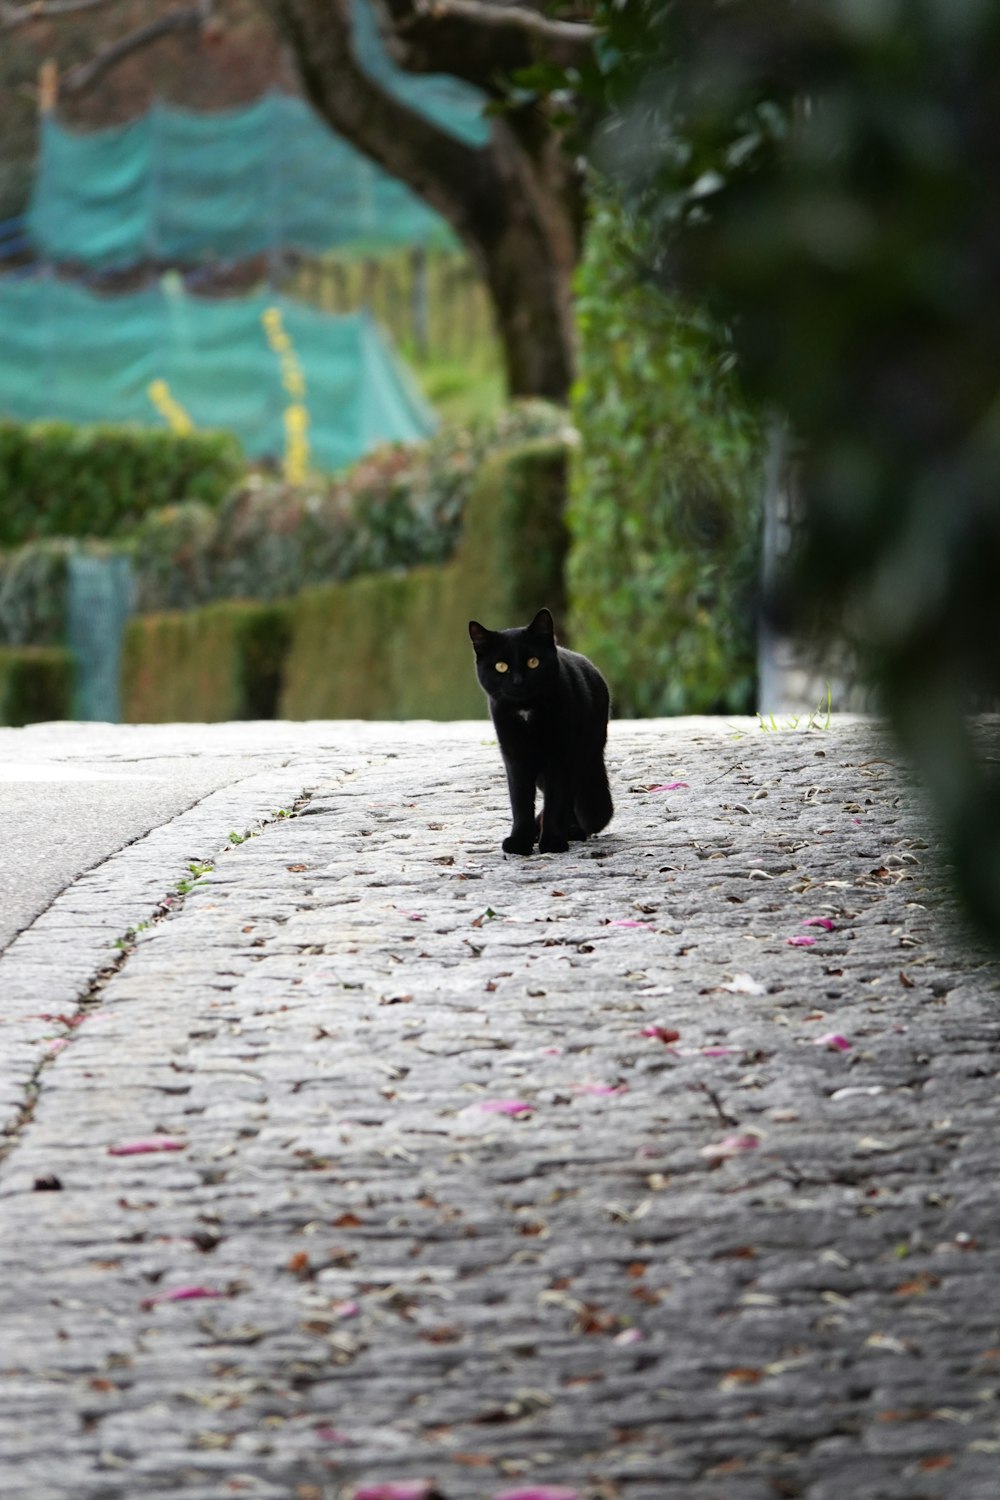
point(740, 1263)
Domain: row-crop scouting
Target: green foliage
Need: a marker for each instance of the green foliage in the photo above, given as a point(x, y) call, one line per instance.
point(203, 666)
point(398, 508)
point(389, 644)
point(61, 480)
point(33, 594)
point(36, 685)
point(395, 645)
point(829, 175)
point(664, 516)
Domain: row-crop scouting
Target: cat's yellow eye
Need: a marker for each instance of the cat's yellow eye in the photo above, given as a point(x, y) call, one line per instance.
point(532, 661)
point(501, 666)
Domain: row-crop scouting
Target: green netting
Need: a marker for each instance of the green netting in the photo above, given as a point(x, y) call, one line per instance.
point(72, 355)
point(182, 187)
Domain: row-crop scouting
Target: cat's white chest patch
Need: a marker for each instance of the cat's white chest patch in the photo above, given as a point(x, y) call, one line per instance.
point(525, 714)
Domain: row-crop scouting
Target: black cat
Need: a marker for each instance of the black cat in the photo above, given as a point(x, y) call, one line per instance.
point(550, 710)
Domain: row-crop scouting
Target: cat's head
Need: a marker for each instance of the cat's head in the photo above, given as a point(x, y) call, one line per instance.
point(518, 664)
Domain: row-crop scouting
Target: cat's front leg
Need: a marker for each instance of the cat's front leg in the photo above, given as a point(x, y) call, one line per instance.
point(521, 786)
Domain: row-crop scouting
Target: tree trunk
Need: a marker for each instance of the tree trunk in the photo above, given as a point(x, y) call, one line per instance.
point(515, 202)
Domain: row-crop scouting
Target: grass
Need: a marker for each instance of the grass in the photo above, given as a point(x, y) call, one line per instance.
point(462, 390)
point(820, 718)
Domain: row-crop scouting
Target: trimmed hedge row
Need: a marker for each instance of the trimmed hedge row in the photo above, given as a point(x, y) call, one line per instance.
point(204, 666)
point(36, 685)
point(381, 646)
point(61, 480)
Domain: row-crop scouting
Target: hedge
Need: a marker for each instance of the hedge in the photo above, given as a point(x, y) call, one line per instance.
point(385, 645)
point(61, 480)
point(36, 685)
point(201, 666)
point(396, 646)
point(399, 507)
point(666, 492)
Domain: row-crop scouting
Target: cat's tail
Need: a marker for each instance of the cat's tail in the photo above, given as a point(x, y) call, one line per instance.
point(592, 804)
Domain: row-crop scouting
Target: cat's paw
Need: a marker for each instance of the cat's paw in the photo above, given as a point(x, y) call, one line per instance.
point(552, 843)
point(518, 843)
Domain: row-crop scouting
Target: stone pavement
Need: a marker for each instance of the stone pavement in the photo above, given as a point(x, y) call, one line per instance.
point(662, 1170)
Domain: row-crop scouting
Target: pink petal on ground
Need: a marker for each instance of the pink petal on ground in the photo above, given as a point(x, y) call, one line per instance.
point(819, 922)
point(346, 1309)
point(539, 1492)
point(57, 1044)
point(151, 1143)
point(506, 1107)
point(552, 1051)
point(599, 1088)
point(800, 942)
point(661, 1033)
point(399, 1489)
point(332, 1435)
point(629, 1336)
point(181, 1294)
point(834, 1041)
point(628, 922)
point(717, 1051)
point(733, 1145)
point(667, 786)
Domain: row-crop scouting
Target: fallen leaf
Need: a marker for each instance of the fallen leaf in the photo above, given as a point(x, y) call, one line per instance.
point(539, 1492)
point(833, 1041)
point(180, 1294)
point(661, 1033)
point(732, 1145)
point(743, 984)
point(741, 1375)
point(399, 1489)
point(151, 1143)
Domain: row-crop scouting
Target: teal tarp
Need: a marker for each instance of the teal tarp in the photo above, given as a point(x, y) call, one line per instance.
point(176, 186)
point(68, 354)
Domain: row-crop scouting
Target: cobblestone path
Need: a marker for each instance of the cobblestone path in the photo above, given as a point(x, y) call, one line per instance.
point(662, 1170)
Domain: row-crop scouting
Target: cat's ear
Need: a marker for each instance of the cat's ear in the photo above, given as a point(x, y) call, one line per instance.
point(478, 634)
point(542, 625)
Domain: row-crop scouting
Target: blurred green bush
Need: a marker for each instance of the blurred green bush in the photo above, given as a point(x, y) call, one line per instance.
point(36, 684)
point(666, 491)
point(400, 507)
point(58, 480)
point(202, 666)
point(389, 644)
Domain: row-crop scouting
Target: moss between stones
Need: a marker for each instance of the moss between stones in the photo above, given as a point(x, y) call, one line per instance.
point(36, 684)
point(380, 646)
point(220, 662)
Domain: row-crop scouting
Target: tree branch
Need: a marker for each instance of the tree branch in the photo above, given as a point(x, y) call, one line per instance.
point(443, 170)
point(12, 17)
point(480, 40)
point(83, 77)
